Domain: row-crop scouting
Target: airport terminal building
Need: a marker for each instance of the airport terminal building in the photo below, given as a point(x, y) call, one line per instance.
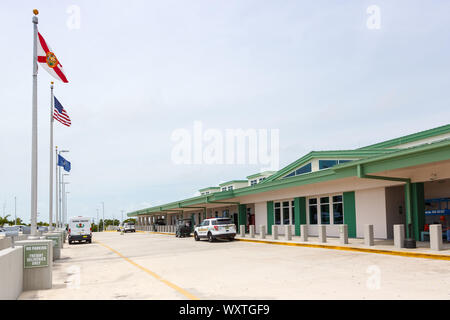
point(405, 180)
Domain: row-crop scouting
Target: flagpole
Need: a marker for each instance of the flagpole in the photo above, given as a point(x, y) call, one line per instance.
point(34, 132)
point(56, 189)
point(51, 161)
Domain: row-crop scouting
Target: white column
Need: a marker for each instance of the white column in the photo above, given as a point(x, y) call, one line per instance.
point(436, 237)
point(322, 233)
point(368, 235)
point(274, 232)
point(262, 232)
point(304, 232)
point(252, 231)
point(288, 232)
point(399, 236)
point(343, 234)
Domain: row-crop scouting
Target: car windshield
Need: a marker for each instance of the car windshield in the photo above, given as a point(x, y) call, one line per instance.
point(221, 221)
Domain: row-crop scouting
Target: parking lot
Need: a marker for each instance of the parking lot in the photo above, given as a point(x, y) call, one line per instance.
point(154, 266)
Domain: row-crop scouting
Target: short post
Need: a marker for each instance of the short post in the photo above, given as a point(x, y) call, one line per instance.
point(436, 237)
point(343, 234)
point(275, 232)
point(242, 231)
point(399, 236)
point(252, 230)
point(37, 264)
point(262, 231)
point(322, 233)
point(368, 235)
point(304, 232)
point(288, 232)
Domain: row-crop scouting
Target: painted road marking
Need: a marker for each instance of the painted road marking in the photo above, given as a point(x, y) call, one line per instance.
point(379, 251)
point(156, 276)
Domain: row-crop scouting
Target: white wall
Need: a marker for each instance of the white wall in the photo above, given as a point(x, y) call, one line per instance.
point(11, 273)
point(260, 215)
point(371, 209)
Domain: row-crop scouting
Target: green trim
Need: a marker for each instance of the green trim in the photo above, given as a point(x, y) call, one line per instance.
point(299, 213)
point(256, 175)
point(410, 138)
point(418, 208)
point(269, 217)
point(336, 154)
point(210, 188)
point(232, 182)
point(350, 213)
point(242, 215)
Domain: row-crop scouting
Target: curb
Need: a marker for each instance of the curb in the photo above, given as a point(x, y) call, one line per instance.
point(367, 250)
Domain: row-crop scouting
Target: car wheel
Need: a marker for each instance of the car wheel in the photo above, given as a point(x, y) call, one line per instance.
point(210, 237)
point(196, 237)
point(231, 238)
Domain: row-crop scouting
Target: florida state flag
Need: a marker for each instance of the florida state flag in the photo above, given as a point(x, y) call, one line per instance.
point(47, 59)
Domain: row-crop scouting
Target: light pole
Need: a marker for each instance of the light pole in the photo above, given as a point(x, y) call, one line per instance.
point(98, 222)
point(65, 216)
point(63, 211)
point(59, 200)
point(103, 206)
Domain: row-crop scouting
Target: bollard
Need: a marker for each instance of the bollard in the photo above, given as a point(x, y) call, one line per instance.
point(343, 234)
point(399, 236)
point(275, 232)
point(37, 264)
point(322, 233)
point(288, 232)
point(252, 231)
point(262, 233)
point(436, 237)
point(242, 231)
point(304, 232)
point(368, 235)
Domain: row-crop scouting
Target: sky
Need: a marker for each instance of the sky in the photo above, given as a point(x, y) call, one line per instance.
point(316, 71)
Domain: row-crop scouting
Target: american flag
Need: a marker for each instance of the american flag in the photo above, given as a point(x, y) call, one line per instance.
point(60, 114)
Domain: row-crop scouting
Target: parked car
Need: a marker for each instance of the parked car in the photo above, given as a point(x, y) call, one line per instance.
point(43, 229)
point(183, 228)
point(129, 227)
point(80, 229)
point(215, 228)
point(9, 232)
point(23, 229)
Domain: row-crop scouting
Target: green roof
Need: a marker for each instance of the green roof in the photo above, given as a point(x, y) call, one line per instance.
point(209, 188)
point(233, 181)
point(260, 174)
point(410, 138)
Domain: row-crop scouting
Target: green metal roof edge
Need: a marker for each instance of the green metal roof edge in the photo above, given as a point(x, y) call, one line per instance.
point(336, 172)
point(233, 181)
point(260, 174)
point(204, 189)
point(328, 154)
point(410, 138)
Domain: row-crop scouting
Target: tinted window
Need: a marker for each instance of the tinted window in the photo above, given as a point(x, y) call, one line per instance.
point(304, 169)
point(221, 222)
point(324, 164)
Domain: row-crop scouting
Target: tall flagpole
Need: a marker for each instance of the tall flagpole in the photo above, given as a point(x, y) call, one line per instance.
point(34, 132)
point(50, 205)
point(56, 189)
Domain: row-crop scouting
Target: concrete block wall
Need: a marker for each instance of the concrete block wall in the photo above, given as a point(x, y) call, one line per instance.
point(11, 273)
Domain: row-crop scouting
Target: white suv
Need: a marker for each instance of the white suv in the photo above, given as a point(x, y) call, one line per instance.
point(215, 228)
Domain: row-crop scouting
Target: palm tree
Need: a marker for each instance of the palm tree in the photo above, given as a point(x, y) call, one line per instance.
point(4, 220)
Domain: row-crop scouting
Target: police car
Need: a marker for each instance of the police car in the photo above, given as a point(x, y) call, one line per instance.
point(215, 228)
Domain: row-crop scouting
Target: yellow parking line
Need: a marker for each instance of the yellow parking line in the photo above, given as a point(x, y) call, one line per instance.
point(156, 276)
point(379, 251)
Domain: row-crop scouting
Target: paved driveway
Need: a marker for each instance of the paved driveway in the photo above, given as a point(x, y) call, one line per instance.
point(155, 266)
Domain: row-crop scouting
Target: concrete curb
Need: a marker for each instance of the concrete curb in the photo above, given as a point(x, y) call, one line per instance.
point(379, 251)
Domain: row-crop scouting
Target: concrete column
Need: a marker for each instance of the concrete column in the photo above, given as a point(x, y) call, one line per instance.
point(343, 234)
point(37, 277)
point(242, 231)
point(368, 235)
point(304, 232)
point(262, 231)
point(436, 237)
point(322, 233)
point(275, 232)
point(399, 235)
point(252, 231)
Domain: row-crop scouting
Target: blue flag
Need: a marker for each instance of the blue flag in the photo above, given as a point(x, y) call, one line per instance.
point(63, 163)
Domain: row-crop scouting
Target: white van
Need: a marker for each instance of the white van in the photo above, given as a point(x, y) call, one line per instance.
point(80, 229)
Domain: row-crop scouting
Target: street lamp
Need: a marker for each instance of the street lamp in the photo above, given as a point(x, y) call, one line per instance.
point(63, 207)
point(59, 200)
point(65, 220)
point(103, 206)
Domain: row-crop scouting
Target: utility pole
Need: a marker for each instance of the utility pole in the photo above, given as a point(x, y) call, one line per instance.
point(103, 206)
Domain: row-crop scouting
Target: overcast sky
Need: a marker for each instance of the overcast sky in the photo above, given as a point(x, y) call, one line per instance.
point(139, 70)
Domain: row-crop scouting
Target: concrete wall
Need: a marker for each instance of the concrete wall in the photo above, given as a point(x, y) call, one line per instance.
point(371, 209)
point(437, 189)
point(11, 273)
point(5, 242)
point(395, 209)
